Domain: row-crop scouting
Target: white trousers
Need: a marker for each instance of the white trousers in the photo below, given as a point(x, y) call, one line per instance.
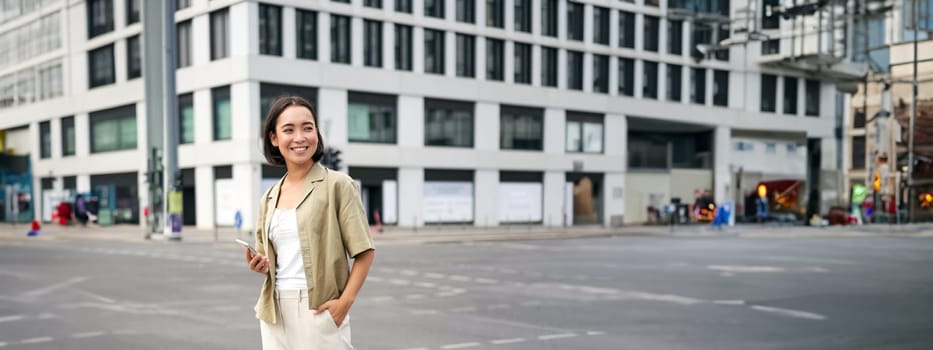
point(298, 328)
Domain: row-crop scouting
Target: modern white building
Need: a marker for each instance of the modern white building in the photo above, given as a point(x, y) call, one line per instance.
point(486, 113)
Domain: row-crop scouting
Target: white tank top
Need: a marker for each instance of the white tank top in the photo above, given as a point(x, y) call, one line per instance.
point(289, 266)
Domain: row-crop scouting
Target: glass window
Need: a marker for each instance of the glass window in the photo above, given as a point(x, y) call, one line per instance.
point(650, 80)
point(223, 122)
point(99, 17)
point(433, 51)
point(584, 132)
point(448, 123)
point(269, 92)
point(132, 11)
point(522, 64)
point(45, 139)
point(49, 80)
point(722, 33)
point(549, 66)
point(495, 60)
point(371, 117)
point(68, 136)
point(521, 128)
point(770, 47)
point(434, 8)
point(523, 16)
point(574, 70)
point(340, 39)
point(466, 55)
point(100, 66)
point(626, 76)
point(858, 152)
point(113, 129)
point(790, 95)
point(373, 3)
point(768, 93)
point(343, 1)
point(403, 47)
point(220, 41)
point(701, 35)
point(549, 18)
point(626, 29)
point(134, 60)
point(721, 88)
point(771, 16)
point(674, 78)
point(601, 73)
point(372, 43)
point(403, 6)
point(183, 56)
point(574, 21)
point(495, 13)
point(306, 38)
point(600, 25)
point(652, 25)
point(185, 119)
point(270, 30)
point(675, 37)
point(698, 88)
point(812, 98)
point(182, 4)
point(466, 11)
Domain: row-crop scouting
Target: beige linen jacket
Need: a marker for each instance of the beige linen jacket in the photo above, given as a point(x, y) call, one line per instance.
point(332, 225)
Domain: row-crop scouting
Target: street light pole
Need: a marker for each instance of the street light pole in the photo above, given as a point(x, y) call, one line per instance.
point(913, 116)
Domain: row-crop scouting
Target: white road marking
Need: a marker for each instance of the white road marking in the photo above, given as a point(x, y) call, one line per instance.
point(87, 334)
point(434, 275)
point(97, 297)
point(556, 336)
point(595, 333)
point(460, 345)
point(486, 281)
point(816, 260)
point(415, 349)
point(399, 282)
point(382, 298)
point(729, 302)
point(459, 278)
point(507, 341)
point(11, 318)
point(128, 332)
point(375, 279)
point(415, 296)
point(409, 272)
point(52, 288)
point(425, 284)
point(739, 268)
point(424, 312)
point(790, 312)
point(46, 316)
point(816, 269)
point(498, 306)
point(37, 340)
point(464, 309)
point(2, 344)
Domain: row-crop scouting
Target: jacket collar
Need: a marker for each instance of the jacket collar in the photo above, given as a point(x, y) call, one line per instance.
point(317, 174)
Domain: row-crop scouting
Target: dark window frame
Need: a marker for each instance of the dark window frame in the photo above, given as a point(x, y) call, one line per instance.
point(466, 55)
point(651, 32)
point(675, 37)
point(575, 70)
point(720, 88)
point(465, 11)
point(584, 118)
point(219, 94)
point(434, 8)
point(378, 100)
point(575, 21)
point(495, 59)
point(270, 29)
point(812, 97)
point(68, 141)
point(447, 110)
point(549, 18)
point(434, 45)
point(626, 29)
point(220, 41)
point(45, 139)
point(650, 70)
point(120, 114)
point(372, 49)
point(185, 101)
point(601, 25)
point(341, 28)
point(674, 86)
point(95, 28)
point(511, 115)
point(522, 14)
point(522, 69)
point(495, 13)
point(768, 93)
point(403, 47)
point(626, 73)
point(306, 28)
point(698, 85)
point(95, 78)
point(549, 66)
point(134, 57)
point(791, 97)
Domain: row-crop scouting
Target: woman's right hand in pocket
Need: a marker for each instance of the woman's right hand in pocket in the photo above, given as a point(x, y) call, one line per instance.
point(257, 262)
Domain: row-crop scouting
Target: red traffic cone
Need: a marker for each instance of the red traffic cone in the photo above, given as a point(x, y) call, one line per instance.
point(34, 229)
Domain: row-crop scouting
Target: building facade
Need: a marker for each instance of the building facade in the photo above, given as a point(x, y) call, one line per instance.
point(485, 113)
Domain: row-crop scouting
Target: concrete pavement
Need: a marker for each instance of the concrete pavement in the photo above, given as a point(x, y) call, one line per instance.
point(439, 234)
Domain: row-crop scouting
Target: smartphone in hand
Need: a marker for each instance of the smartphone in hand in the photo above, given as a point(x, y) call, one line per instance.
point(247, 245)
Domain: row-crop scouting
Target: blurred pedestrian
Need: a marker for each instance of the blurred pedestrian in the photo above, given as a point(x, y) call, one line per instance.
point(308, 224)
point(81, 210)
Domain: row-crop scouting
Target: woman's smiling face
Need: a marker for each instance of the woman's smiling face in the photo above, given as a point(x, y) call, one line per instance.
point(295, 135)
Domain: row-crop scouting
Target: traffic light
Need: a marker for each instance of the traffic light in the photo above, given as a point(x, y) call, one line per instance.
point(762, 191)
point(331, 158)
point(926, 200)
point(876, 182)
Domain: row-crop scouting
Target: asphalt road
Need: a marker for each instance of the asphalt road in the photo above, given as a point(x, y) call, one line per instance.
point(597, 293)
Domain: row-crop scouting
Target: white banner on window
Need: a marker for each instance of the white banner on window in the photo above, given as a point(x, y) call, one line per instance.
point(520, 201)
point(448, 201)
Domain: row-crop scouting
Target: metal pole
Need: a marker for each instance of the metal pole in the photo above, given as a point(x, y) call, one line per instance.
point(170, 152)
point(913, 116)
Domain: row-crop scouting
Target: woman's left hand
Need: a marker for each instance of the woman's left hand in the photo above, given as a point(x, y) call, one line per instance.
point(338, 310)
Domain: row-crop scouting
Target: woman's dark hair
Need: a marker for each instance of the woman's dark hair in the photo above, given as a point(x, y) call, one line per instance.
point(272, 154)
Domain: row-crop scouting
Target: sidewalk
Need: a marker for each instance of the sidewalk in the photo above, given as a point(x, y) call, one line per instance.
point(440, 234)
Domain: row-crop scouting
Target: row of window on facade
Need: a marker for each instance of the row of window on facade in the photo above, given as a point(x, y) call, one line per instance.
point(371, 118)
point(770, 147)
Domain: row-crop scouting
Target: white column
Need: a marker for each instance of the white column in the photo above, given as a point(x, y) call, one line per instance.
point(588, 25)
point(486, 201)
point(487, 119)
point(410, 121)
point(204, 190)
point(288, 32)
point(356, 41)
point(83, 183)
point(617, 145)
point(119, 60)
point(662, 34)
point(562, 68)
point(613, 198)
point(614, 27)
point(411, 197)
point(323, 37)
point(508, 62)
point(82, 135)
point(553, 215)
point(709, 87)
point(536, 63)
point(388, 43)
point(247, 178)
point(244, 23)
point(639, 34)
point(555, 122)
point(662, 81)
point(480, 57)
point(244, 102)
point(613, 75)
point(200, 39)
point(417, 47)
point(450, 53)
point(536, 19)
point(722, 177)
point(508, 15)
point(55, 134)
point(639, 77)
point(203, 117)
point(587, 72)
point(333, 107)
point(561, 22)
